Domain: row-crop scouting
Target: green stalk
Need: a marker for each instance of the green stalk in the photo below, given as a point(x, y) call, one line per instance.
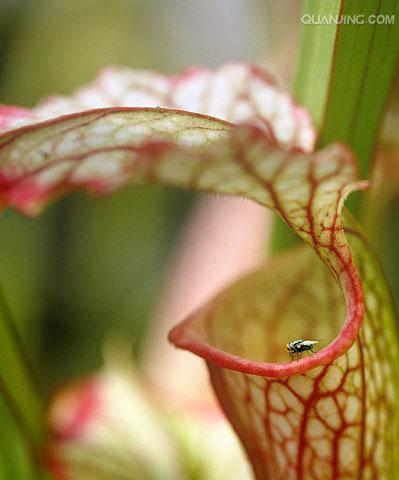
point(344, 77)
point(19, 388)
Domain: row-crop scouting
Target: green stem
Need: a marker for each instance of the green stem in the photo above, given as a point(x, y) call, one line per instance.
point(11, 325)
point(18, 384)
point(27, 438)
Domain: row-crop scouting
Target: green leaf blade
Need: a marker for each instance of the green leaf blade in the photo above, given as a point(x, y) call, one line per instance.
point(316, 56)
point(364, 66)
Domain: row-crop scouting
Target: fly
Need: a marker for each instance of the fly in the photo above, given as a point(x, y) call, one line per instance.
point(297, 347)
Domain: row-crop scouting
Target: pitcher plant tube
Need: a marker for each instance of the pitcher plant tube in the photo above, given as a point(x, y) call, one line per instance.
point(233, 131)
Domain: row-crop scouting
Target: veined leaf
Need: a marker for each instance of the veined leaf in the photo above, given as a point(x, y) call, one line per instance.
point(326, 408)
point(338, 420)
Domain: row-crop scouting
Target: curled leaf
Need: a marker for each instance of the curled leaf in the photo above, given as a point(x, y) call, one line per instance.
point(331, 421)
point(105, 149)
